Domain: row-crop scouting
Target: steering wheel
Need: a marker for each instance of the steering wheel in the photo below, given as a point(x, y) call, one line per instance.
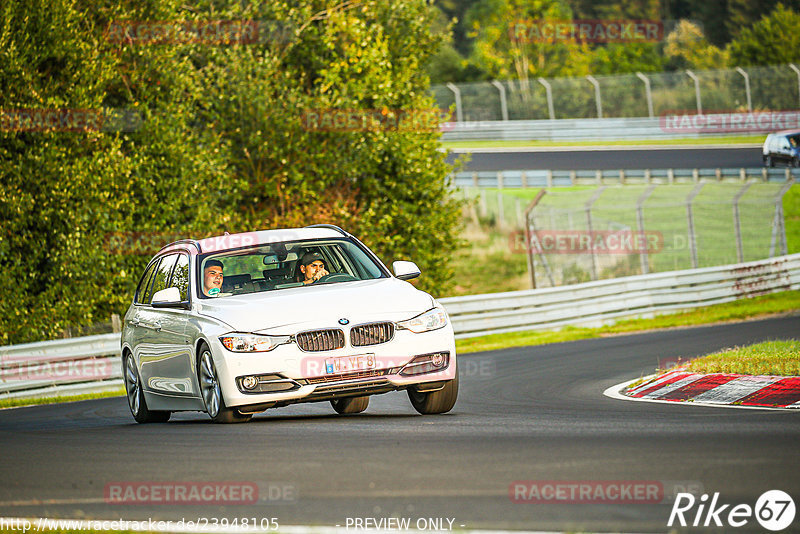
point(336, 277)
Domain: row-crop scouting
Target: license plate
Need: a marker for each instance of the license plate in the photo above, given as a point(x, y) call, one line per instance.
point(349, 364)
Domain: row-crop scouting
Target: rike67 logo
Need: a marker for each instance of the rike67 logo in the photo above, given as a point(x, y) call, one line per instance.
point(774, 510)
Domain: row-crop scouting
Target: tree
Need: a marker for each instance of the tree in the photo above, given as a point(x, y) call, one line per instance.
point(221, 143)
point(687, 48)
point(507, 45)
point(774, 40)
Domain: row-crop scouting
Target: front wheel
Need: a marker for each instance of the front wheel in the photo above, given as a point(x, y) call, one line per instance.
point(435, 401)
point(212, 393)
point(350, 405)
point(136, 402)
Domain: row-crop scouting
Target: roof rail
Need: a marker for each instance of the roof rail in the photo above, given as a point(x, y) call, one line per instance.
point(330, 227)
point(181, 242)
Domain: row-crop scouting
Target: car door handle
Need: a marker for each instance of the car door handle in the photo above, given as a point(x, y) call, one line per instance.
point(157, 326)
point(134, 321)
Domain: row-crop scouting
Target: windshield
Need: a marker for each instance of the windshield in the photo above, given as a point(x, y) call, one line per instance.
point(284, 265)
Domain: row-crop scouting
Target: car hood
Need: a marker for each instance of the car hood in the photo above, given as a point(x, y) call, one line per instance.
point(286, 311)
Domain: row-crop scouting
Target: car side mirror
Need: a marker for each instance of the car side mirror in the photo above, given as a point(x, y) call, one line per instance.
point(405, 270)
point(168, 298)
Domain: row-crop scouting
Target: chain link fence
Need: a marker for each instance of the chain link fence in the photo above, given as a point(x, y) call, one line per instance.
point(624, 96)
point(604, 232)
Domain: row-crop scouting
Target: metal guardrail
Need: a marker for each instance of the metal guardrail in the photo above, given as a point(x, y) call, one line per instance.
point(562, 130)
point(52, 365)
point(92, 363)
point(557, 178)
point(596, 303)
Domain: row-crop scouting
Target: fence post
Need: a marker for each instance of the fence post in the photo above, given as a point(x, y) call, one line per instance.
point(796, 71)
point(648, 93)
point(696, 91)
point(457, 93)
point(116, 324)
point(530, 229)
point(737, 223)
point(503, 103)
point(746, 77)
point(549, 91)
point(549, 178)
point(597, 99)
point(690, 220)
point(501, 216)
point(588, 208)
point(640, 222)
point(778, 224)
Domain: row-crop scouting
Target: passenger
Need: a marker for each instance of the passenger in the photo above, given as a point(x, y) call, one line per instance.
point(312, 268)
point(212, 278)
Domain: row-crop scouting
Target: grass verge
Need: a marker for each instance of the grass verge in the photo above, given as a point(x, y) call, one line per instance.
point(766, 305)
point(11, 403)
point(778, 358)
point(727, 140)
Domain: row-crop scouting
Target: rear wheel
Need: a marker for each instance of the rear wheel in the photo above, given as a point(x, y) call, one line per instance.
point(136, 402)
point(212, 393)
point(435, 401)
point(350, 404)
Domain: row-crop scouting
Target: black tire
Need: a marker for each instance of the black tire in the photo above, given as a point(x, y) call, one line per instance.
point(436, 401)
point(133, 390)
point(211, 392)
point(350, 404)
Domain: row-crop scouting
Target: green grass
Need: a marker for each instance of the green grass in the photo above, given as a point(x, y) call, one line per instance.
point(726, 140)
point(777, 358)
point(788, 301)
point(10, 403)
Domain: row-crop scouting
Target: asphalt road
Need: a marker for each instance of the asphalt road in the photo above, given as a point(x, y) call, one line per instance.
point(523, 414)
point(621, 158)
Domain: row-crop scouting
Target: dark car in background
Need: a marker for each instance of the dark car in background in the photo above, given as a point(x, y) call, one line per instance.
point(782, 147)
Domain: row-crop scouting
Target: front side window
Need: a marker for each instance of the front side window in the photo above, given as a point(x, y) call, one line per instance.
point(161, 276)
point(284, 265)
point(144, 284)
point(180, 276)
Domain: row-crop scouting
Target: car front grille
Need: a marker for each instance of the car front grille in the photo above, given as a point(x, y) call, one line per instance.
point(320, 340)
point(371, 334)
point(356, 375)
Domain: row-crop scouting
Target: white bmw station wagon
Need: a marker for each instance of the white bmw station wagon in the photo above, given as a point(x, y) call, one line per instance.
point(237, 324)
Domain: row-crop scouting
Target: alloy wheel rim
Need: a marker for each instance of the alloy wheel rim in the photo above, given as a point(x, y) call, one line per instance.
point(209, 384)
point(132, 385)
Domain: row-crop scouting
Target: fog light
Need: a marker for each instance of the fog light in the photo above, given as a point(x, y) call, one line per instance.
point(438, 359)
point(249, 382)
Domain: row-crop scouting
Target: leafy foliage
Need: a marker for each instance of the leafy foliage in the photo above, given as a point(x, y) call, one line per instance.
point(220, 144)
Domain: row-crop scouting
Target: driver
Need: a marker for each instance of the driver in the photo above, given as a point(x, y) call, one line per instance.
point(312, 267)
point(212, 278)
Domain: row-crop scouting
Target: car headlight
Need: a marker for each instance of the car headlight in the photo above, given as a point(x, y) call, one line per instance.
point(430, 320)
point(251, 342)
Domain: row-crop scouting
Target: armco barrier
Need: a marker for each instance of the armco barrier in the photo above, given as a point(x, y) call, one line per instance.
point(603, 301)
point(588, 304)
point(511, 179)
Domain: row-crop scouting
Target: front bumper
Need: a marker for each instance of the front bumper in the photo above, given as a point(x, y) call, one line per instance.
point(295, 376)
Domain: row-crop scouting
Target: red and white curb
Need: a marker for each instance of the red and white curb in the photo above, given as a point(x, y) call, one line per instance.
point(718, 389)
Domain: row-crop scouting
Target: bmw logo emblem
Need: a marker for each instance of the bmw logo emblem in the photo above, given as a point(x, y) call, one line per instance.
point(343, 321)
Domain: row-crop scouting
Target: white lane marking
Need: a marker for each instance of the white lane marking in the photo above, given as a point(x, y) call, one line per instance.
point(614, 393)
point(175, 526)
point(669, 388)
point(591, 148)
point(734, 390)
point(648, 384)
